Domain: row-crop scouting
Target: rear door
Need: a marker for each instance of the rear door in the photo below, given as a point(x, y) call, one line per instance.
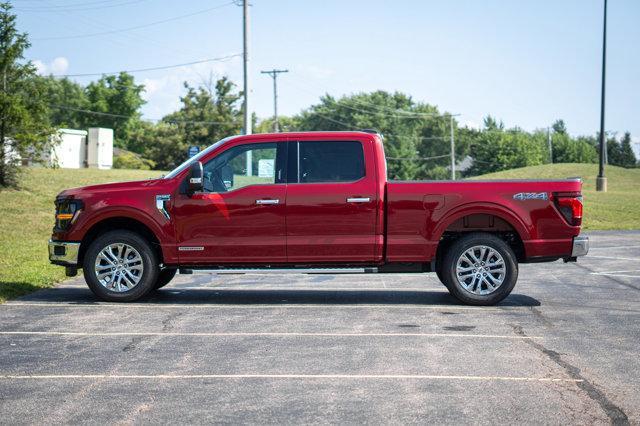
point(331, 205)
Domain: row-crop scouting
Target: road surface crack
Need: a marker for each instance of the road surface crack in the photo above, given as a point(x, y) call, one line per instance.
point(613, 412)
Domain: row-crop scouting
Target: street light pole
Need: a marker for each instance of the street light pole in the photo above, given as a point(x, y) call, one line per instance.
point(274, 74)
point(601, 180)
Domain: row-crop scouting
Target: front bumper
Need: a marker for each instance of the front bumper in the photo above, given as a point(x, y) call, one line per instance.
point(63, 253)
point(580, 246)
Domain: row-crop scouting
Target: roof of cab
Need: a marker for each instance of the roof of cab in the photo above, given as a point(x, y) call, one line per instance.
point(340, 134)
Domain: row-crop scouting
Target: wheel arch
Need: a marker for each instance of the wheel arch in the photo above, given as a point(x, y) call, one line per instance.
point(486, 217)
point(120, 222)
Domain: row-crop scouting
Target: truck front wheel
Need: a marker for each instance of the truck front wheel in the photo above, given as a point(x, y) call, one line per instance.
point(120, 266)
point(479, 269)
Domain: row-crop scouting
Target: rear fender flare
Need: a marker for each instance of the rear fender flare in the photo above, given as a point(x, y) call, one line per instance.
point(482, 208)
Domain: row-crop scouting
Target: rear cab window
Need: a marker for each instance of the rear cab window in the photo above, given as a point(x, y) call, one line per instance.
point(326, 161)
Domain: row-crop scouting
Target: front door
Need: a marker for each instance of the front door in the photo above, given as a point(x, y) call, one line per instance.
point(240, 215)
point(331, 202)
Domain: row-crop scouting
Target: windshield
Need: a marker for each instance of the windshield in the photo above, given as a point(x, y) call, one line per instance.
point(173, 173)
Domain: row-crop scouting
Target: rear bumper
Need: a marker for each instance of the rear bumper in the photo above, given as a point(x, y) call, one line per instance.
point(63, 253)
point(580, 246)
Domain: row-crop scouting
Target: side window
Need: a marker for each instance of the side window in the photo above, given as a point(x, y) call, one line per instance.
point(330, 162)
point(243, 165)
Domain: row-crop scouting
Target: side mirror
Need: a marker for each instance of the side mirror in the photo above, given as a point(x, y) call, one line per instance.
point(195, 178)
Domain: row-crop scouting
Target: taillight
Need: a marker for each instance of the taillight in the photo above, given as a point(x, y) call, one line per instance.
point(66, 211)
point(570, 205)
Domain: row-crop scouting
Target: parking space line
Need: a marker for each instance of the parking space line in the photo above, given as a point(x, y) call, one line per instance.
point(282, 376)
point(255, 306)
point(613, 247)
point(617, 275)
point(614, 272)
point(613, 257)
point(266, 334)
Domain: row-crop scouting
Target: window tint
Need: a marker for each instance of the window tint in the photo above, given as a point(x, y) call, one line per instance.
point(241, 166)
point(330, 162)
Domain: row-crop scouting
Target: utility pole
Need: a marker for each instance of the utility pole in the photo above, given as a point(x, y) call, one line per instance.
point(550, 145)
point(245, 68)
point(601, 180)
point(453, 151)
point(274, 75)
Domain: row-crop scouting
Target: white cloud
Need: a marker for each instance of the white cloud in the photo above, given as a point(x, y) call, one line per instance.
point(41, 68)
point(58, 66)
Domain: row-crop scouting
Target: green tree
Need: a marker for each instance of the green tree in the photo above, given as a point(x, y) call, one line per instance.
point(569, 150)
point(491, 124)
point(66, 99)
point(413, 132)
point(614, 152)
point(24, 128)
point(286, 124)
point(118, 100)
point(559, 127)
point(627, 157)
point(502, 150)
point(208, 113)
point(161, 143)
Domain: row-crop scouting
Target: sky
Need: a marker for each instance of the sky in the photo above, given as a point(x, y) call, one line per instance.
point(525, 62)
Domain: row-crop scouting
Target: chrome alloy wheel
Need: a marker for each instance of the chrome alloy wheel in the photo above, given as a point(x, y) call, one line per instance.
point(119, 267)
point(480, 270)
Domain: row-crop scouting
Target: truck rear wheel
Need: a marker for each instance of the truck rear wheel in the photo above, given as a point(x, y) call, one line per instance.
point(479, 269)
point(164, 277)
point(120, 266)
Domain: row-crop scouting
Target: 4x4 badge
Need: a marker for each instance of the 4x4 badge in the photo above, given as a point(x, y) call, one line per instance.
point(530, 196)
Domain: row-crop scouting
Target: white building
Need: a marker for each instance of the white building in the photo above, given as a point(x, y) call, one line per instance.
point(75, 149)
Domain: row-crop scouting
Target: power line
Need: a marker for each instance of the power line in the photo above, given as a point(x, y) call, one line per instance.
point(220, 59)
point(108, 114)
point(72, 8)
point(137, 27)
point(388, 110)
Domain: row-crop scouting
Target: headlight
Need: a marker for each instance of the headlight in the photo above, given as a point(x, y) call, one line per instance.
point(67, 209)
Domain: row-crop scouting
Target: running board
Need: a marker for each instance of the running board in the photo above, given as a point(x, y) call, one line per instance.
point(232, 271)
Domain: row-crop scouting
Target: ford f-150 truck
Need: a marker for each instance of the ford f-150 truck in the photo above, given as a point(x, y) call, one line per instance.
point(312, 200)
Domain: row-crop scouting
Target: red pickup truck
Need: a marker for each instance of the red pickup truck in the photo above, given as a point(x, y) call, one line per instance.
point(317, 200)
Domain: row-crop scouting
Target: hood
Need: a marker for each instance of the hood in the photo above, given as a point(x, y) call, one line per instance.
point(111, 187)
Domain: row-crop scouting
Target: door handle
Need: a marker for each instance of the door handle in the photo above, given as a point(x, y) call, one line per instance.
point(358, 200)
point(267, 201)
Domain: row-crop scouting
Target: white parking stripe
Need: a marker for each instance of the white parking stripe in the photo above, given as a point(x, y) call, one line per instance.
point(619, 275)
point(283, 376)
point(613, 247)
point(247, 306)
point(614, 272)
point(116, 334)
point(612, 257)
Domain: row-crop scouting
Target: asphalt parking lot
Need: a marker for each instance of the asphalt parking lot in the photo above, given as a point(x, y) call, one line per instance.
point(334, 349)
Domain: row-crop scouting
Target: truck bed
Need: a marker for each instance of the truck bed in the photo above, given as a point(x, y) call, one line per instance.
point(420, 212)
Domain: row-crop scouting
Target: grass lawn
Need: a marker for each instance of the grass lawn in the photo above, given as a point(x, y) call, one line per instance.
point(26, 220)
point(618, 208)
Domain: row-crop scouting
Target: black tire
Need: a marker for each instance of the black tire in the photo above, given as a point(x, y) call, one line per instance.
point(458, 248)
point(164, 277)
point(149, 262)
